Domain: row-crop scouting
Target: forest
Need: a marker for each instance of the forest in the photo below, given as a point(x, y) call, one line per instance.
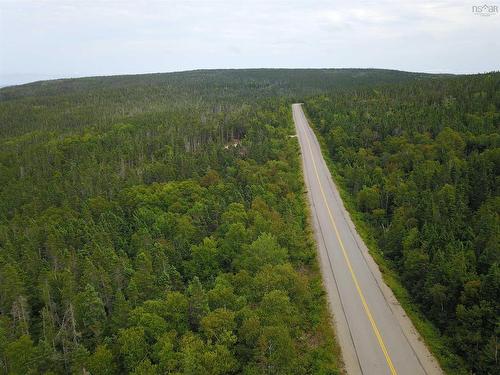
point(419, 163)
point(157, 224)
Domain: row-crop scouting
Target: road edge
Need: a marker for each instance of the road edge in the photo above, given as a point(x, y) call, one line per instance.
point(422, 350)
point(317, 264)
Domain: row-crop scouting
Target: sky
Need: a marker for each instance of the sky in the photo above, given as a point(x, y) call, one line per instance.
point(42, 39)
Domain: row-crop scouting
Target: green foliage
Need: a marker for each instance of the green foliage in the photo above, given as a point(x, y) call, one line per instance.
point(90, 311)
point(419, 165)
point(101, 362)
point(218, 327)
point(133, 347)
point(198, 303)
point(276, 353)
point(263, 251)
point(20, 356)
point(156, 224)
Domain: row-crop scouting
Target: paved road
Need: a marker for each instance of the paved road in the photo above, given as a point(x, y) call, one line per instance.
point(375, 335)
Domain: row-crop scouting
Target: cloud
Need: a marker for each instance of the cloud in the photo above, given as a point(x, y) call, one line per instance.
point(68, 38)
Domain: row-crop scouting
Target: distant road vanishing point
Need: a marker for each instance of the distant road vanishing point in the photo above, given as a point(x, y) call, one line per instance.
point(375, 335)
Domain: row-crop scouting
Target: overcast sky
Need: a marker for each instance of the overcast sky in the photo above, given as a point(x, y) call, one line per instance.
point(48, 38)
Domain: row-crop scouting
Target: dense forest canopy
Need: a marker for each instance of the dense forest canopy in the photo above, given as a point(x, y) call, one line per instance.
point(421, 162)
point(157, 224)
point(68, 105)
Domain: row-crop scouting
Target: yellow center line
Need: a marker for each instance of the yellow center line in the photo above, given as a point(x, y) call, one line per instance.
point(353, 275)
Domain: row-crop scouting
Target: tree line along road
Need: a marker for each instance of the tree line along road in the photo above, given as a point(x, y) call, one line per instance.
point(374, 333)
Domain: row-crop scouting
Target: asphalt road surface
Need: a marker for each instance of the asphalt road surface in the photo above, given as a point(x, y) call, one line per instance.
point(375, 335)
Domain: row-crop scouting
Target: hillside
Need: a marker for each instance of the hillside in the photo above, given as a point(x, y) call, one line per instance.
point(97, 101)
